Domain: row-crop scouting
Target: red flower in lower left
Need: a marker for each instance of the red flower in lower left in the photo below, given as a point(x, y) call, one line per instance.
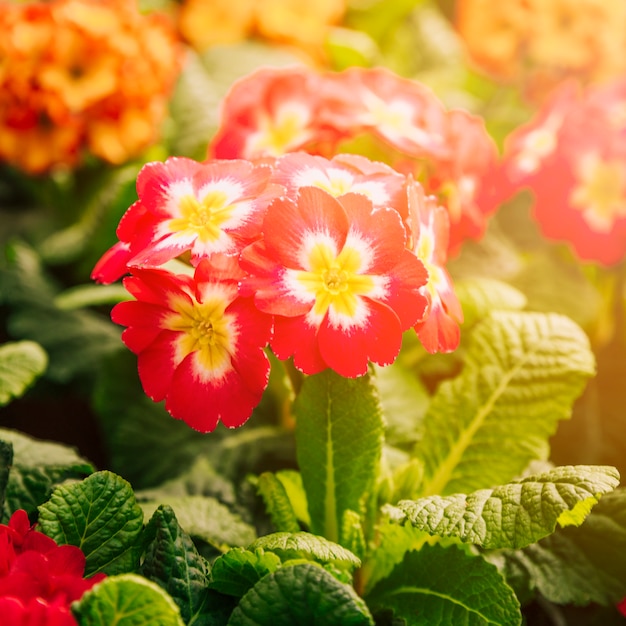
point(38, 579)
point(199, 344)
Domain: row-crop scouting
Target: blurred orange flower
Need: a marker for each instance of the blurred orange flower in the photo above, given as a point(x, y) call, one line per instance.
point(304, 25)
point(542, 42)
point(82, 74)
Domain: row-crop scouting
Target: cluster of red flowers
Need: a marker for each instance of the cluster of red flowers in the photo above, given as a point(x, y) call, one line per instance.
point(326, 261)
point(81, 74)
point(38, 579)
point(372, 112)
point(572, 156)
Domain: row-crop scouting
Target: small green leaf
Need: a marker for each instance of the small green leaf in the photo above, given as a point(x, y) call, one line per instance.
point(37, 467)
point(277, 503)
point(173, 562)
point(304, 545)
point(339, 432)
point(126, 600)
point(443, 586)
point(101, 517)
point(521, 375)
point(579, 565)
point(237, 571)
point(207, 519)
point(292, 482)
point(21, 363)
point(303, 594)
point(513, 515)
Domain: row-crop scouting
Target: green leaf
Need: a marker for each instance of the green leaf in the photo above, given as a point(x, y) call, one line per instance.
point(277, 503)
point(21, 363)
point(237, 571)
point(292, 482)
point(303, 594)
point(38, 466)
point(442, 586)
point(522, 373)
point(173, 562)
point(404, 400)
point(82, 296)
point(101, 517)
point(579, 565)
point(481, 296)
point(207, 519)
point(304, 545)
point(6, 460)
point(339, 433)
point(513, 515)
point(126, 600)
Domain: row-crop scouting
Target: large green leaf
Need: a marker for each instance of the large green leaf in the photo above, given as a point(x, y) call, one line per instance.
point(21, 362)
point(206, 518)
point(444, 586)
point(101, 517)
point(172, 561)
point(38, 466)
point(579, 565)
point(513, 515)
point(127, 600)
point(339, 434)
point(303, 594)
point(237, 571)
point(304, 545)
point(522, 373)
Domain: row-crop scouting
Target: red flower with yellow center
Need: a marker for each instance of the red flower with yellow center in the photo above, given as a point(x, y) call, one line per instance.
point(338, 278)
point(199, 344)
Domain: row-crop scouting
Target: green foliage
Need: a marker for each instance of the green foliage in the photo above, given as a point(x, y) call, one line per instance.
point(21, 363)
point(442, 586)
point(126, 600)
point(577, 565)
point(521, 375)
point(6, 460)
point(513, 515)
point(339, 433)
point(237, 571)
point(37, 467)
point(101, 517)
point(289, 546)
point(303, 594)
point(277, 503)
point(173, 562)
point(207, 519)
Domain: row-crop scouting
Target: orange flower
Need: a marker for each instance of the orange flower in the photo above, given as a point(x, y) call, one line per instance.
point(541, 42)
point(78, 74)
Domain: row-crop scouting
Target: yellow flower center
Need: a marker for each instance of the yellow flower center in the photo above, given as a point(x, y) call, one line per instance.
point(601, 193)
point(277, 135)
point(203, 217)
point(335, 280)
point(207, 331)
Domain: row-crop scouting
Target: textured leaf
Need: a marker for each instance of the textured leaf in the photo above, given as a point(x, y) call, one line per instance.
point(443, 586)
point(303, 594)
point(207, 519)
point(339, 432)
point(6, 460)
point(480, 296)
point(237, 571)
point(404, 401)
point(580, 565)
point(173, 562)
point(21, 363)
point(277, 503)
point(292, 482)
point(126, 600)
point(37, 467)
point(513, 515)
point(305, 545)
point(522, 373)
point(101, 517)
